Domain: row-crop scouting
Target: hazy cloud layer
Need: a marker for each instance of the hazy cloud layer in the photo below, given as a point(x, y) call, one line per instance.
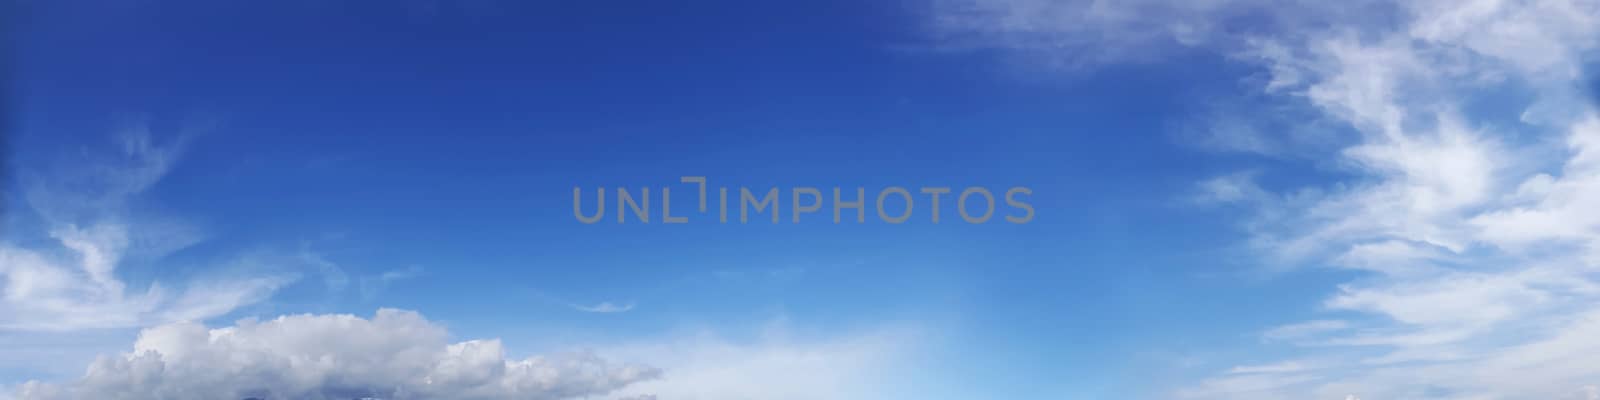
point(393, 355)
point(778, 364)
point(1474, 153)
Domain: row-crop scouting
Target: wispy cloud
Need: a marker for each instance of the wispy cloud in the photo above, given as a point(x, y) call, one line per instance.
point(333, 276)
point(603, 307)
point(848, 364)
point(1275, 368)
point(372, 285)
point(1071, 35)
point(1475, 231)
point(71, 282)
point(1305, 330)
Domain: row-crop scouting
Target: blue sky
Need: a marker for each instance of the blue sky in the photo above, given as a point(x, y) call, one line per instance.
point(1234, 199)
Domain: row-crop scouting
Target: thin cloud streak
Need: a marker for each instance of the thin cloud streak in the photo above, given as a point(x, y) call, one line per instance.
point(603, 307)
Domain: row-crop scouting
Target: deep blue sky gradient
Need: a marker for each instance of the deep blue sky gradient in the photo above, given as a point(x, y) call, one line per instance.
point(385, 135)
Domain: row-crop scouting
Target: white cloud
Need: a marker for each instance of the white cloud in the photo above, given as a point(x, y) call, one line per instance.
point(1476, 232)
point(1233, 188)
point(1276, 368)
point(777, 365)
point(400, 355)
point(393, 355)
point(371, 286)
point(604, 307)
point(333, 277)
point(1304, 330)
point(1075, 34)
point(601, 307)
point(70, 281)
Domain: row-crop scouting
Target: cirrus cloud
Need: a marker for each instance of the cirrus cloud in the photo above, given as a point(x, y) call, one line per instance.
point(1468, 145)
point(70, 281)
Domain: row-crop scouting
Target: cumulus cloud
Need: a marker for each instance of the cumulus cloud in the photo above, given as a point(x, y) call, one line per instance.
point(69, 281)
point(399, 354)
point(393, 355)
point(1471, 144)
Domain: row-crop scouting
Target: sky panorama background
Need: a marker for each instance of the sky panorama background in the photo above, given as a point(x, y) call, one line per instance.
point(1236, 199)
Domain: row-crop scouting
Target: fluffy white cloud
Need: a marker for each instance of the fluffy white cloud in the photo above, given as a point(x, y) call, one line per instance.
point(69, 281)
point(400, 355)
point(1472, 147)
point(394, 355)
